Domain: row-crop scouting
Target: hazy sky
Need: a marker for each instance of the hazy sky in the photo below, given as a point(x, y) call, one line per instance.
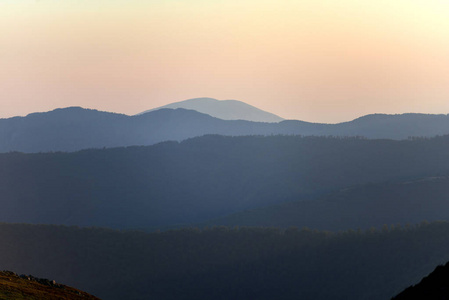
point(322, 61)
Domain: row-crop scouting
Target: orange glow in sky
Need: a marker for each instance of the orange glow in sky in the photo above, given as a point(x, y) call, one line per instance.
point(320, 61)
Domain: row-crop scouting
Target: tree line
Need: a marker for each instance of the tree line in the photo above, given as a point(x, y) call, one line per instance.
point(228, 263)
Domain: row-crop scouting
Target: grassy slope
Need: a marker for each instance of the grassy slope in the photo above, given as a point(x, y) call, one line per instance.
point(17, 287)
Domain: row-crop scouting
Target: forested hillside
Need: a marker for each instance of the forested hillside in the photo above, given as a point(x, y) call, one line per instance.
point(224, 263)
point(361, 206)
point(201, 178)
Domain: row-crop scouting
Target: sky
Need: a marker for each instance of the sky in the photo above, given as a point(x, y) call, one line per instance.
point(312, 60)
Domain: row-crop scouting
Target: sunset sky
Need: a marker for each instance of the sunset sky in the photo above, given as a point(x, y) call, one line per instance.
point(313, 60)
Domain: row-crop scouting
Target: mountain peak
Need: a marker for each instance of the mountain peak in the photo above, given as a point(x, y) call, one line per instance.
point(224, 109)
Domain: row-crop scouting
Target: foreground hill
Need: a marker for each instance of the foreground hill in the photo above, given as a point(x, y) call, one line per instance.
point(435, 286)
point(75, 128)
point(224, 263)
point(13, 286)
point(361, 206)
point(224, 109)
point(209, 177)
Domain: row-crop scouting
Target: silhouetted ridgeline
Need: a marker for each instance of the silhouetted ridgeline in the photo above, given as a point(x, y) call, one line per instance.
point(202, 178)
point(75, 128)
point(435, 286)
point(223, 263)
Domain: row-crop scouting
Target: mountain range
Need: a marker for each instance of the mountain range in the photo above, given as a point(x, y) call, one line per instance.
point(75, 128)
point(175, 167)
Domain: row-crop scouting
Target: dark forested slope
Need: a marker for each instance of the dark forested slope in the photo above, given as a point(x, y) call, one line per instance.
point(201, 178)
point(361, 206)
point(223, 263)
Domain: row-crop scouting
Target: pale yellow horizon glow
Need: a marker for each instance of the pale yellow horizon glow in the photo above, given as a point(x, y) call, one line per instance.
point(320, 61)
